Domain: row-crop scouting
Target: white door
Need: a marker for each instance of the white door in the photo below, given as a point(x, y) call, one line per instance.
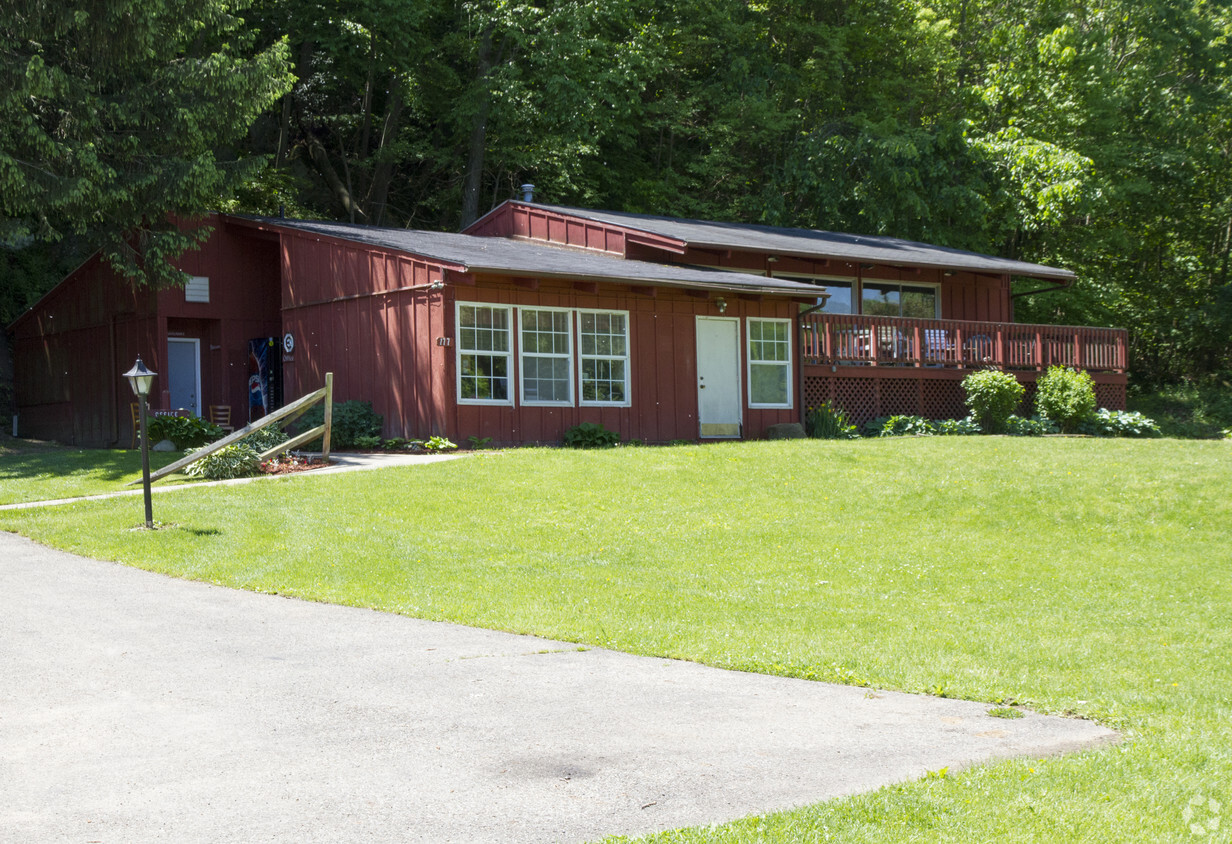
point(718, 376)
point(184, 373)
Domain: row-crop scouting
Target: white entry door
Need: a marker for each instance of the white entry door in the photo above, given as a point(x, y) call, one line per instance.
point(718, 376)
point(184, 373)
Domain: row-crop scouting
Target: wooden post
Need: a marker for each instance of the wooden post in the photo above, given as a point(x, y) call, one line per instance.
point(329, 415)
point(916, 348)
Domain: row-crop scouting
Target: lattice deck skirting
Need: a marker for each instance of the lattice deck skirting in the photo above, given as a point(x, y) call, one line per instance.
point(867, 392)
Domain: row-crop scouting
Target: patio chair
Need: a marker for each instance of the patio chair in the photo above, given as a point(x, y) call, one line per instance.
point(978, 347)
point(220, 415)
point(937, 346)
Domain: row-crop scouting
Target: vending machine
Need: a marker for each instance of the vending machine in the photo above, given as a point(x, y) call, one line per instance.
point(264, 376)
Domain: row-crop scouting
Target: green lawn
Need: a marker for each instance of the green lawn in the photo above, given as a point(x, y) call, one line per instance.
point(1081, 576)
point(41, 471)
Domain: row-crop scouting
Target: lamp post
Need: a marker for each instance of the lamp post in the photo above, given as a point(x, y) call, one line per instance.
point(141, 379)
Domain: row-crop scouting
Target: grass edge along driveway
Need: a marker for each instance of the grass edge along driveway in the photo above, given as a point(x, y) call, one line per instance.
point(1073, 576)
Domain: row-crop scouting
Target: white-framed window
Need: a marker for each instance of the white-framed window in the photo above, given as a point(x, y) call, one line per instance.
point(485, 368)
point(603, 359)
point(769, 344)
point(546, 349)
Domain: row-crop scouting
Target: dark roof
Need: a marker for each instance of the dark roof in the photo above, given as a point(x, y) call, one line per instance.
point(813, 244)
point(519, 258)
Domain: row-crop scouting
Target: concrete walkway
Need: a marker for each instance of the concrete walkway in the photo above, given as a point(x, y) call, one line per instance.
point(136, 707)
point(340, 462)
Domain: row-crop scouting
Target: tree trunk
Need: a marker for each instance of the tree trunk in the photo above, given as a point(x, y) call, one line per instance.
point(382, 174)
point(478, 139)
point(302, 66)
point(321, 159)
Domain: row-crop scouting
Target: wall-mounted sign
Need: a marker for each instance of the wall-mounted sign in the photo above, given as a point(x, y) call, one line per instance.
point(288, 343)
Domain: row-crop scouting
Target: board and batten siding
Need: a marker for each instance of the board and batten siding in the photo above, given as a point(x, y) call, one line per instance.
point(349, 312)
point(71, 348)
point(662, 362)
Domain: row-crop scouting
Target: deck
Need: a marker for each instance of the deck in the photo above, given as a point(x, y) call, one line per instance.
point(879, 366)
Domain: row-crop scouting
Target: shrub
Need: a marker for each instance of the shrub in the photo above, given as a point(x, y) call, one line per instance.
point(438, 444)
point(1066, 396)
point(1120, 423)
point(872, 428)
point(829, 422)
point(1197, 409)
point(1036, 426)
point(956, 427)
point(590, 435)
point(906, 426)
point(366, 442)
point(992, 397)
point(238, 460)
point(184, 431)
point(265, 439)
point(351, 421)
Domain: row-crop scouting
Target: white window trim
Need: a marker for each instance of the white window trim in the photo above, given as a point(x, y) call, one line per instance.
point(788, 364)
point(627, 358)
point(569, 356)
point(509, 355)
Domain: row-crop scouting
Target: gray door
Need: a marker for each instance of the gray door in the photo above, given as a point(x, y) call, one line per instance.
point(718, 376)
point(184, 373)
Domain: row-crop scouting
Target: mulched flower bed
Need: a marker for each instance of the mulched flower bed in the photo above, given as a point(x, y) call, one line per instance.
point(288, 464)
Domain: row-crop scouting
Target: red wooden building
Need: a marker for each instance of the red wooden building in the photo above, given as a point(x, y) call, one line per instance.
point(542, 317)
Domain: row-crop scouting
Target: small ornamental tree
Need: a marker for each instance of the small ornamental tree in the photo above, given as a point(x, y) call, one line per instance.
point(992, 397)
point(1066, 396)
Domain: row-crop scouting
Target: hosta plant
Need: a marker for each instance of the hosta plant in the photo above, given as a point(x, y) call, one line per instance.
point(237, 460)
point(1120, 423)
point(1036, 426)
point(590, 435)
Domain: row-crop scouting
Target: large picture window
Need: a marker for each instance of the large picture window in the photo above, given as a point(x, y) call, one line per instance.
point(483, 354)
point(881, 298)
point(769, 362)
point(547, 362)
point(604, 370)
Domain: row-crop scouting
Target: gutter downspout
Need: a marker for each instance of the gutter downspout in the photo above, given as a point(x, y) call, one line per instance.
point(800, 360)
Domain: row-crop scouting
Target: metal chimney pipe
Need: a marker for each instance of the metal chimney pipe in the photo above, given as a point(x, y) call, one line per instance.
point(528, 193)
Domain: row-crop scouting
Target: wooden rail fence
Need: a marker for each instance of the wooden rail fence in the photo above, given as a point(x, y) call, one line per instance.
point(284, 416)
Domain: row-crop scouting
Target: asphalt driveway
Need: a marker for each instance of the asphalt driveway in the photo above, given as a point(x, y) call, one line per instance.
point(136, 707)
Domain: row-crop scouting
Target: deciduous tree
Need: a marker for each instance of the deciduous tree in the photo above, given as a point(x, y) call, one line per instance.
point(116, 118)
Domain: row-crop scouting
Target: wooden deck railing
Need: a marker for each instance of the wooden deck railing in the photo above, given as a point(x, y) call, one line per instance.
point(847, 339)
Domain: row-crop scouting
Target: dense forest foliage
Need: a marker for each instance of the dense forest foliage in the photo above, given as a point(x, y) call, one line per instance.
point(1091, 136)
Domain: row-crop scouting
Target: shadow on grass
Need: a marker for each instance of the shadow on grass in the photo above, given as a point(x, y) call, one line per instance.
point(102, 465)
point(31, 470)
